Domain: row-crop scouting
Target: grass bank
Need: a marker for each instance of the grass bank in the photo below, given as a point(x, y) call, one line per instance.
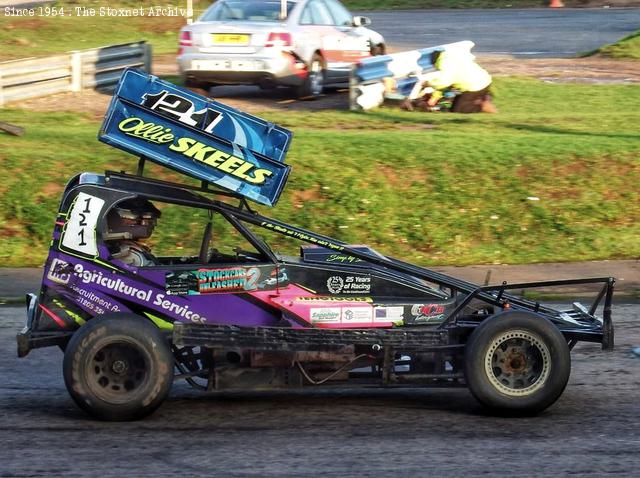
point(553, 177)
point(47, 34)
point(627, 48)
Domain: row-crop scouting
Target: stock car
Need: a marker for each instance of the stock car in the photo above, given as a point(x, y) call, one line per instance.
point(304, 44)
point(234, 314)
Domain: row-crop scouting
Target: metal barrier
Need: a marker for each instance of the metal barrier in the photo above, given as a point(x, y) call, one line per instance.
point(367, 87)
point(96, 68)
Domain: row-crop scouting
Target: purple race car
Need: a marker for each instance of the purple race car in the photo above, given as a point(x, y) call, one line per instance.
point(131, 318)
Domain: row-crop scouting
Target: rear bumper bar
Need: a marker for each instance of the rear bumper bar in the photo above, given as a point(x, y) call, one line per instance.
point(29, 339)
point(581, 323)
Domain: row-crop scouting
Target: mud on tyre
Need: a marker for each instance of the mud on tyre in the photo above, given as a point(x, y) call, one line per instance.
point(118, 367)
point(517, 363)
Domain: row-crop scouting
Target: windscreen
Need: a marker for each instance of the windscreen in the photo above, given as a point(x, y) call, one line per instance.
point(245, 11)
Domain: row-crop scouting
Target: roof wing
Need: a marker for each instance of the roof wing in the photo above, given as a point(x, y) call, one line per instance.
point(198, 137)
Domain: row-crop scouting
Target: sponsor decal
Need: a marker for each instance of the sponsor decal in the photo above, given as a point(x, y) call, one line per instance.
point(208, 281)
point(388, 314)
point(343, 259)
point(177, 107)
point(194, 149)
point(79, 233)
point(349, 285)
point(427, 312)
point(181, 283)
point(325, 315)
point(112, 283)
point(301, 235)
point(335, 284)
point(356, 315)
point(277, 278)
point(59, 271)
point(93, 302)
point(118, 286)
point(181, 310)
point(229, 279)
point(333, 299)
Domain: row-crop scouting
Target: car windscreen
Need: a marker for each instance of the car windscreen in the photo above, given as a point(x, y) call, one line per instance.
point(245, 11)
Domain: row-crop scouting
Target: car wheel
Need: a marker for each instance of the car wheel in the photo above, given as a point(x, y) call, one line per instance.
point(314, 82)
point(118, 367)
point(379, 49)
point(517, 363)
point(195, 84)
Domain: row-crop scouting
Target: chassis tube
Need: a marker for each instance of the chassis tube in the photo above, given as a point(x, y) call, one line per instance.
point(482, 293)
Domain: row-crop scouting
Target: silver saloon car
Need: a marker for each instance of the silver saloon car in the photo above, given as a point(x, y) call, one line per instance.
point(304, 44)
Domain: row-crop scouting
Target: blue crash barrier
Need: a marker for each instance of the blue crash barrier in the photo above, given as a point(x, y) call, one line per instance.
point(369, 87)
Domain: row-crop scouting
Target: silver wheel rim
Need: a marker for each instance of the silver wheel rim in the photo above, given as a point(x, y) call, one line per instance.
point(315, 78)
point(117, 371)
point(517, 363)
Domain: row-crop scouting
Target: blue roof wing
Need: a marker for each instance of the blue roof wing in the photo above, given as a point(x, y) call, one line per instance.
point(197, 136)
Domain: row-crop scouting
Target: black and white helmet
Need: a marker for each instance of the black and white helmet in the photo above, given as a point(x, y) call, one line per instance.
point(133, 219)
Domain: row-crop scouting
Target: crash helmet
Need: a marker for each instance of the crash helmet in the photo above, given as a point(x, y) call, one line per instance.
point(131, 219)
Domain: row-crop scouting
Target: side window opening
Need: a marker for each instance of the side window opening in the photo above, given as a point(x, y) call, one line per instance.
point(316, 13)
point(142, 233)
point(341, 15)
point(129, 224)
point(305, 18)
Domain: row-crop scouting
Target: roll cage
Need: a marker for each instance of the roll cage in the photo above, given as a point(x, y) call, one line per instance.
point(578, 323)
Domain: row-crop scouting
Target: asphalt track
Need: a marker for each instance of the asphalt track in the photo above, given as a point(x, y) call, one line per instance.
point(530, 33)
point(591, 431)
point(521, 33)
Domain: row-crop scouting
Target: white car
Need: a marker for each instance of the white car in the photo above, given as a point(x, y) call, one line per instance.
point(304, 44)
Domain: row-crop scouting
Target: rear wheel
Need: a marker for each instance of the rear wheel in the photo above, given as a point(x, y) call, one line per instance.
point(517, 362)
point(118, 367)
point(314, 82)
point(197, 85)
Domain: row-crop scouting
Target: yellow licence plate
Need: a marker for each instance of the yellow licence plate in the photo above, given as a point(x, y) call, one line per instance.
point(230, 39)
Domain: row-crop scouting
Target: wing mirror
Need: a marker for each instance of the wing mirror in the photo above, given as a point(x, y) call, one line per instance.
point(361, 21)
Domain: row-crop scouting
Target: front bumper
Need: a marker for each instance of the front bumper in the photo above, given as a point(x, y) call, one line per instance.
point(282, 68)
point(29, 338)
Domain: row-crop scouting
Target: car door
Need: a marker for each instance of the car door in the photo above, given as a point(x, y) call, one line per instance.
point(334, 34)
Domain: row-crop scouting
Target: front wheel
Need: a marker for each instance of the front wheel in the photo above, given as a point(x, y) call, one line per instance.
point(314, 82)
point(118, 367)
point(193, 84)
point(517, 362)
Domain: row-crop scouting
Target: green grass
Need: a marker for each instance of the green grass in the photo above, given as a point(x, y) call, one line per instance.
point(22, 37)
point(627, 48)
point(431, 188)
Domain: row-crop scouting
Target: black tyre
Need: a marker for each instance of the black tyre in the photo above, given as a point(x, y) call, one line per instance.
point(517, 363)
point(118, 367)
point(196, 84)
point(313, 84)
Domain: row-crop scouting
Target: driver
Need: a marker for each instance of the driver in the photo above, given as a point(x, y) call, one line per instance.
point(128, 223)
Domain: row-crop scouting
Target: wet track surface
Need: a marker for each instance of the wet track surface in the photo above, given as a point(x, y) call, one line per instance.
point(592, 430)
point(529, 33)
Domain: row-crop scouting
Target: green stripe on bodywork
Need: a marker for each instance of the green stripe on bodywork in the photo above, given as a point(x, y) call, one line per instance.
point(161, 323)
point(107, 265)
point(79, 320)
